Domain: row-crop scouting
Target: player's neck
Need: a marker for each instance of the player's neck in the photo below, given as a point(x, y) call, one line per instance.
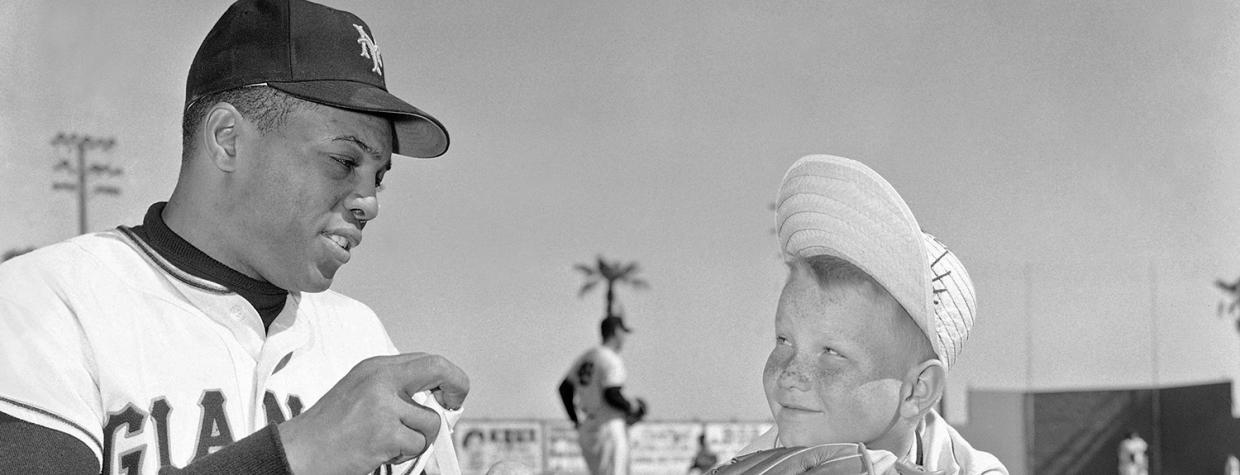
point(194, 218)
point(186, 214)
point(613, 344)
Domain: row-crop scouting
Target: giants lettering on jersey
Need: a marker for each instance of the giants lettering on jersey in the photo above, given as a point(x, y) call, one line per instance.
point(214, 430)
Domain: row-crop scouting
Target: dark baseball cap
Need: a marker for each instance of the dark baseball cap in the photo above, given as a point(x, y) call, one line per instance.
point(314, 53)
point(613, 322)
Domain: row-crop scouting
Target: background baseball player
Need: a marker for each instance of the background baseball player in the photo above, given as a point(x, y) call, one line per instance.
point(206, 337)
point(592, 395)
point(1132, 458)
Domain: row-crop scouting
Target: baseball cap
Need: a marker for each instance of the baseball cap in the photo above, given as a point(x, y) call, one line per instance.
point(314, 53)
point(835, 206)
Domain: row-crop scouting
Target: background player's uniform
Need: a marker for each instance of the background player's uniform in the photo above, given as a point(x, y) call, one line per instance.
point(602, 432)
point(1132, 459)
point(104, 340)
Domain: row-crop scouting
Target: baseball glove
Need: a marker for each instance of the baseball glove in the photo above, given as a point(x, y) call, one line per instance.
point(826, 459)
point(637, 413)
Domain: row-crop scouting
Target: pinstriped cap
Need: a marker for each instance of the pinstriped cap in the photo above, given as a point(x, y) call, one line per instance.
point(953, 300)
point(835, 206)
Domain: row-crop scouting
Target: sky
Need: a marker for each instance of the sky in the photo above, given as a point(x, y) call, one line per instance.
point(1079, 157)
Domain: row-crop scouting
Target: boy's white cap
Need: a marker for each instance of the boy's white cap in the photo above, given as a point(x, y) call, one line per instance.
point(839, 207)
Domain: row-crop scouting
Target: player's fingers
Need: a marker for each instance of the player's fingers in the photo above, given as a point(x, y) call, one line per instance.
point(422, 419)
point(423, 427)
point(421, 372)
point(451, 398)
point(453, 388)
point(408, 445)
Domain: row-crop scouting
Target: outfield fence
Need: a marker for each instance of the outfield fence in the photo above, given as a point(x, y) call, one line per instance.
point(550, 446)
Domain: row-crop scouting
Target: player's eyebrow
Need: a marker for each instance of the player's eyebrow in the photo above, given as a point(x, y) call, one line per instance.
point(362, 145)
point(356, 141)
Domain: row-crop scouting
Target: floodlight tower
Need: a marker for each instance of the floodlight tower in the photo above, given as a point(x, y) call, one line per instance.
point(80, 144)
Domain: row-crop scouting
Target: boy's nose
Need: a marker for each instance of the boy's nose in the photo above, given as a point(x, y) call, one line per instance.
point(796, 374)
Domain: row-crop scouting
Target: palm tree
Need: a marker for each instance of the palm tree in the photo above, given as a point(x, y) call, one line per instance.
point(613, 273)
point(1231, 303)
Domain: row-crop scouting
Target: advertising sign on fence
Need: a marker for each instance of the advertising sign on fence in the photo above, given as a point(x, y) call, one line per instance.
point(550, 446)
point(563, 455)
point(728, 438)
point(479, 444)
point(663, 447)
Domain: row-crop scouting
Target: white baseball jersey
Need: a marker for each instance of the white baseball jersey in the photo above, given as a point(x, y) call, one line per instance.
point(104, 340)
point(595, 370)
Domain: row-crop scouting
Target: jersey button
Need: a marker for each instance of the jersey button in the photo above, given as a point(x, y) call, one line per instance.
point(236, 313)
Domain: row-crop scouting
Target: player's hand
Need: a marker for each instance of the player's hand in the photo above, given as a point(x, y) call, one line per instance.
point(826, 459)
point(369, 418)
point(637, 411)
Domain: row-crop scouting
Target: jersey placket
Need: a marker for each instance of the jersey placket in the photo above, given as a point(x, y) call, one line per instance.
point(287, 334)
point(243, 324)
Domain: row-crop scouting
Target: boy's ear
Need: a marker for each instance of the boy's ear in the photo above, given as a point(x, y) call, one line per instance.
point(925, 384)
point(219, 135)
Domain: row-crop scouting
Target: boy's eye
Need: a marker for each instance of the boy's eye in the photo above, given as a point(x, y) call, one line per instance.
point(830, 351)
point(347, 163)
point(779, 340)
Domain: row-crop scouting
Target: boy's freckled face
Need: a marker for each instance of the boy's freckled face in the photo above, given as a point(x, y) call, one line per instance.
point(834, 374)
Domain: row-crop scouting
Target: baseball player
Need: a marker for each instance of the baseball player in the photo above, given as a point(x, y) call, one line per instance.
point(592, 395)
point(1132, 458)
point(206, 338)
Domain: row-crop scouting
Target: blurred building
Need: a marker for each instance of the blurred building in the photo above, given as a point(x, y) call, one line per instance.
point(1190, 429)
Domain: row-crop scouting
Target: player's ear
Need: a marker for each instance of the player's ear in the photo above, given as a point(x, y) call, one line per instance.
point(219, 132)
point(924, 386)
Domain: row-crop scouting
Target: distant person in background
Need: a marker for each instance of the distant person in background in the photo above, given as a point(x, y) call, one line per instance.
point(873, 313)
point(1232, 467)
point(704, 459)
point(1132, 459)
point(593, 398)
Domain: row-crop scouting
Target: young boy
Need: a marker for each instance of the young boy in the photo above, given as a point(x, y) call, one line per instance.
point(873, 314)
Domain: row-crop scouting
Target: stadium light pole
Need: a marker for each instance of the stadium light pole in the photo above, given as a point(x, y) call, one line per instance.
point(80, 144)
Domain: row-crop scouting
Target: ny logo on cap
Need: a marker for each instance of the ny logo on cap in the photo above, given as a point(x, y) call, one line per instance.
point(370, 49)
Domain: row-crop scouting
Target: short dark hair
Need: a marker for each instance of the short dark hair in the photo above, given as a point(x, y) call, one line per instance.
point(266, 107)
point(609, 326)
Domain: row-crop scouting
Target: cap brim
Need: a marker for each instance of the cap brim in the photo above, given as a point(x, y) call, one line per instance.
point(418, 134)
point(839, 207)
